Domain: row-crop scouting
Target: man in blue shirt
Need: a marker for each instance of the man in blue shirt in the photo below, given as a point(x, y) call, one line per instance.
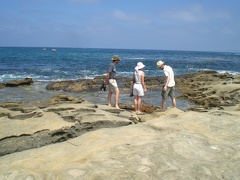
point(111, 81)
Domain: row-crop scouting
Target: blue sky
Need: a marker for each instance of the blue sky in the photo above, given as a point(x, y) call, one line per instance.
point(204, 25)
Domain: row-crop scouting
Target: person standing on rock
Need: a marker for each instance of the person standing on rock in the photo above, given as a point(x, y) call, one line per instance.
point(111, 81)
point(169, 84)
point(139, 86)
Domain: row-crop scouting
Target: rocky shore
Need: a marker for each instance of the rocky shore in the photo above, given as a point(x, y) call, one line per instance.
point(70, 138)
point(206, 89)
point(14, 83)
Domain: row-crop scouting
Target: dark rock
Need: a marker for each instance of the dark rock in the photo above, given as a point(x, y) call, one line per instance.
point(2, 85)
point(195, 87)
point(14, 83)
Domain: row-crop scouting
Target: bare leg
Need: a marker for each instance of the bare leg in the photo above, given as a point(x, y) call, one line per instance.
point(116, 98)
point(174, 102)
point(163, 103)
point(135, 103)
point(139, 103)
point(109, 98)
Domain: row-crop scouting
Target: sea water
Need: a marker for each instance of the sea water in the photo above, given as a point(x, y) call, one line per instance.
point(45, 65)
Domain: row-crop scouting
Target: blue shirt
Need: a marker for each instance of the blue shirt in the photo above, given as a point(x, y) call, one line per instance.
point(112, 71)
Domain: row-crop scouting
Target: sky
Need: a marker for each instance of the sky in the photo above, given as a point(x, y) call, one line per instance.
point(191, 25)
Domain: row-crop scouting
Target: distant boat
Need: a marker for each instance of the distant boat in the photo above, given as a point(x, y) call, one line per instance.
point(44, 49)
point(54, 49)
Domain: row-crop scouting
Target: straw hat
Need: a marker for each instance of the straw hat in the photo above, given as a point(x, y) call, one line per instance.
point(115, 58)
point(160, 63)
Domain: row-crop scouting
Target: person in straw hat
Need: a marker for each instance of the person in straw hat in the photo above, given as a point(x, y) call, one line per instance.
point(139, 86)
point(111, 81)
point(169, 84)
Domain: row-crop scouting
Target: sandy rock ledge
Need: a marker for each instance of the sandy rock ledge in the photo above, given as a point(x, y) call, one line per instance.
point(32, 125)
point(169, 144)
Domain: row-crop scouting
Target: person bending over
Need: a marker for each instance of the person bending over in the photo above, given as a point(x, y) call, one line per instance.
point(169, 84)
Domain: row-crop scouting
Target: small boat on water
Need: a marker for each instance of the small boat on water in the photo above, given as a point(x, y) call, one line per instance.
point(54, 49)
point(44, 49)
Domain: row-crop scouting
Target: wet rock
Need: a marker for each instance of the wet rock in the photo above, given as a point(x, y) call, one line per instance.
point(204, 88)
point(14, 83)
point(210, 89)
point(149, 109)
point(2, 85)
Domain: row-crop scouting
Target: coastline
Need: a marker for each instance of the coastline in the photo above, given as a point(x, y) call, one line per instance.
point(68, 137)
point(38, 92)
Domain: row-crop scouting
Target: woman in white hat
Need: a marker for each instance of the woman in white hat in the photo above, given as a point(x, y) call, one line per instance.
point(139, 86)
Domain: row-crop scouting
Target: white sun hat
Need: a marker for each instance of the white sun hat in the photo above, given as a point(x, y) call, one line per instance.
point(140, 65)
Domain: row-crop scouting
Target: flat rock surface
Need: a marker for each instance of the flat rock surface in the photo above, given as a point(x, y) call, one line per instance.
point(31, 125)
point(169, 145)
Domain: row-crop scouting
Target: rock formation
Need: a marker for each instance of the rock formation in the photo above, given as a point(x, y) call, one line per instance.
point(205, 88)
point(14, 83)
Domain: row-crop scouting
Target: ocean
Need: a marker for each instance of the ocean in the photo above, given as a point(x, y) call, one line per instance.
point(46, 65)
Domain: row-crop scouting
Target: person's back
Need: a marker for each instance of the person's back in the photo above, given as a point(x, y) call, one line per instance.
point(139, 86)
point(138, 77)
point(168, 71)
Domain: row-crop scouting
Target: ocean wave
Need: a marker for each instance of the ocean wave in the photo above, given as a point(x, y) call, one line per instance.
point(9, 77)
point(219, 71)
point(91, 63)
point(125, 73)
point(229, 72)
point(140, 58)
point(53, 80)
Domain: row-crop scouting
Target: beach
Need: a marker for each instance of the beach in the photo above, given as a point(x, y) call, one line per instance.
point(66, 137)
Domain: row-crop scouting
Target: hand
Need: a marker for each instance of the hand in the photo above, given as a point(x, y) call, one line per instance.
point(165, 88)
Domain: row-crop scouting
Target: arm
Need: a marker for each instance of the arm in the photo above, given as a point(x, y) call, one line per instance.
point(107, 77)
point(167, 81)
point(132, 81)
point(143, 83)
point(109, 70)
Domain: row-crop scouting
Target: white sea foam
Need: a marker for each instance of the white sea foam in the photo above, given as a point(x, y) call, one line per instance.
point(230, 72)
point(137, 58)
point(125, 73)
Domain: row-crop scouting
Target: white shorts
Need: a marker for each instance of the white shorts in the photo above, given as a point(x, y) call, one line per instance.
point(113, 85)
point(138, 90)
